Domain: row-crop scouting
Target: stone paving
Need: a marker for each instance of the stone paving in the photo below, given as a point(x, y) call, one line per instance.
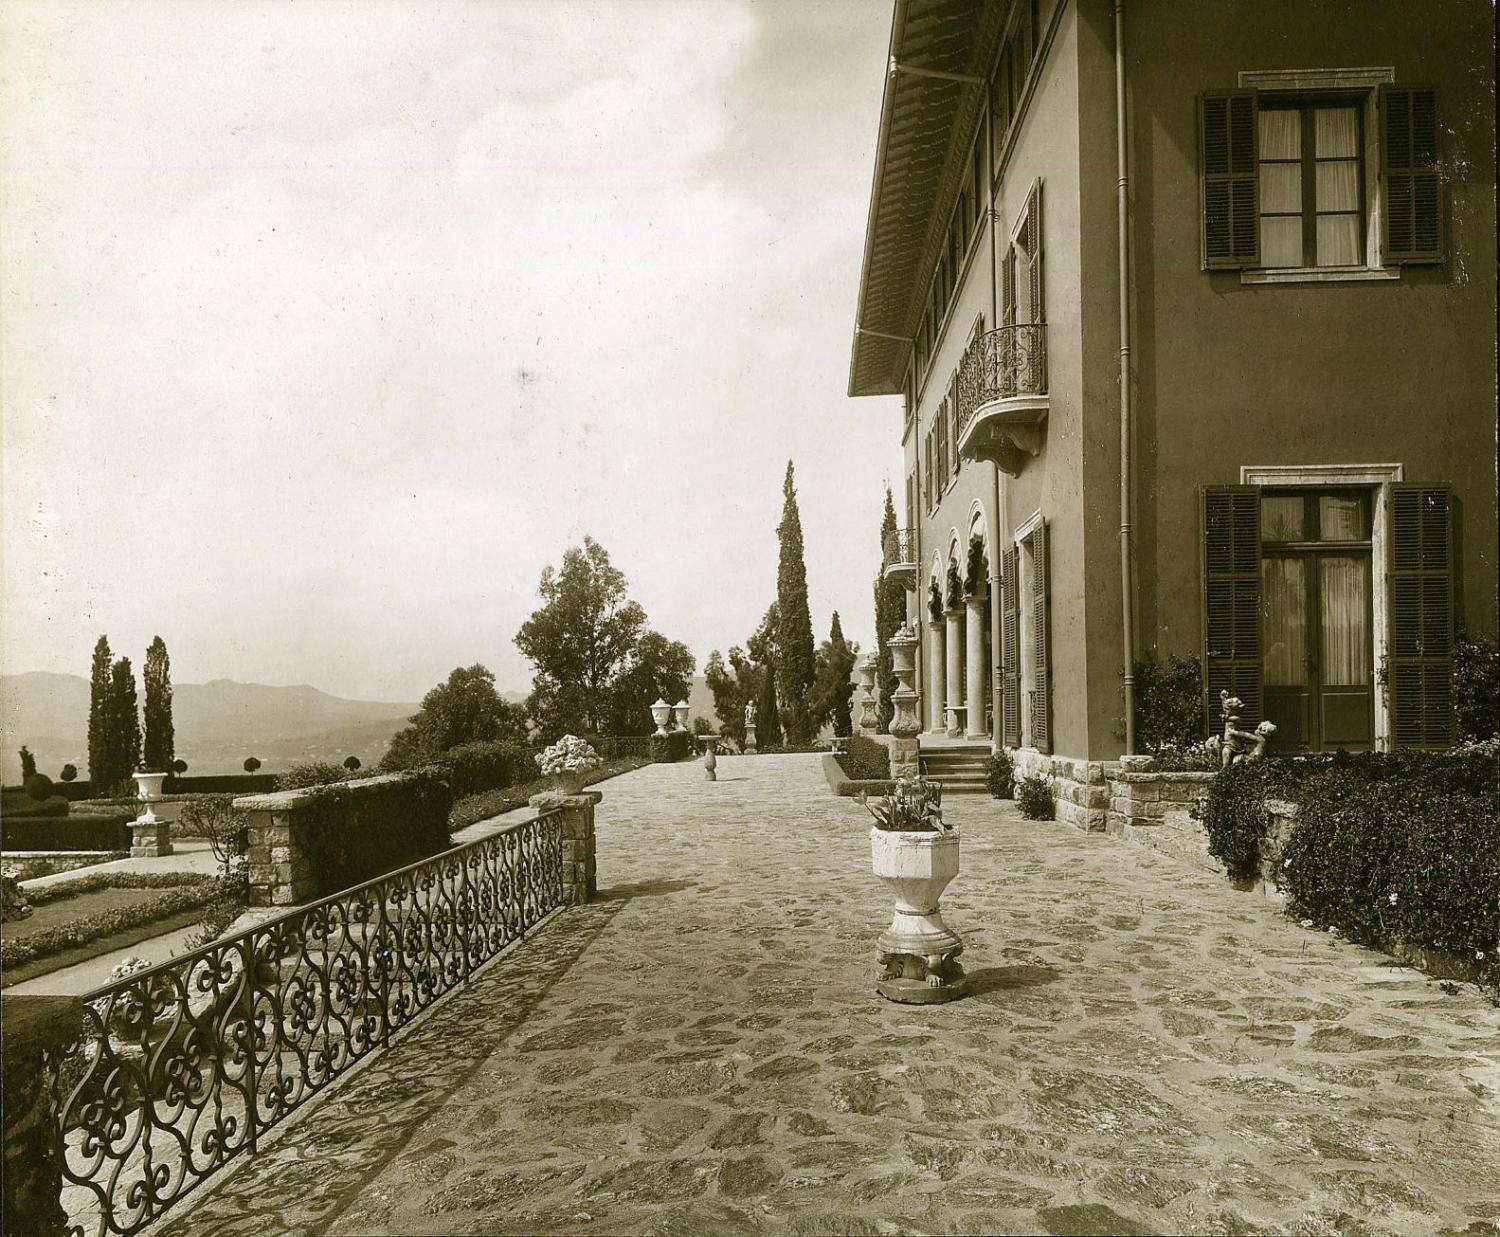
point(701, 1051)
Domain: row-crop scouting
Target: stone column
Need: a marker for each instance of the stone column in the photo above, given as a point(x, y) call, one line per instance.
point(937, 690)
point(278, 830)
point(955, 674)
point(975, 687)
point(579, 869)
point(31, 1187)
point(906, 760)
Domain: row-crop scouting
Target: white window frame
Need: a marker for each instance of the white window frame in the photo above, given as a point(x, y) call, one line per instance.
point(1378, 478)
point(1312, 81)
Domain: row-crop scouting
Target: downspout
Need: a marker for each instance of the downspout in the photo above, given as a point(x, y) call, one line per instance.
point(1127, 569)
point(997, 724)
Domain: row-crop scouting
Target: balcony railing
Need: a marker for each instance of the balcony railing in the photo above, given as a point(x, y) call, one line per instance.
point(900, 547)
point(177, 1069)
point(1007, 362)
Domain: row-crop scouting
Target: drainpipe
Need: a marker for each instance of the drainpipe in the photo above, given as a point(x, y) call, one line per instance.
point(1127, 569)
point(996, 613)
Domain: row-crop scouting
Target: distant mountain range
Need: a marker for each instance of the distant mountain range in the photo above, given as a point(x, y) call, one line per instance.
point(217, 724)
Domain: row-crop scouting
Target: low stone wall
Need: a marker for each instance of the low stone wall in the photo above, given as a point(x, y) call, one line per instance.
point(30, 864)
point(308, 843)
point(31, 1186)
point(1147, 798)
point(1081, 787)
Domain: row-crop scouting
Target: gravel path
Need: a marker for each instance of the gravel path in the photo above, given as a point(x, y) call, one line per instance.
point(701, 1051)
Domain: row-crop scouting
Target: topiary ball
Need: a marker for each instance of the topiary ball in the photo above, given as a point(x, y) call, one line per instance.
point(69, 773)
point(39, 787)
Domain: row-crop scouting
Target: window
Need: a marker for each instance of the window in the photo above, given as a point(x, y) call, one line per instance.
point(953, 426)
point(1025, 675)
point(1286, 181)
point(1311, 182)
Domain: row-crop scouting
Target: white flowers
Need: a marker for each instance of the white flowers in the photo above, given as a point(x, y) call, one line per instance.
point(569, 754)
point(1392, 899)
point(128, 966)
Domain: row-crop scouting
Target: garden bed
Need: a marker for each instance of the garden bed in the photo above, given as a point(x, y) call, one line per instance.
point(842, 784)
point(72, 921)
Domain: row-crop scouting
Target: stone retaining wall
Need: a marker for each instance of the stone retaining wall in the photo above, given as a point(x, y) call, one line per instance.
point(1081, 787)
point(1147, 798)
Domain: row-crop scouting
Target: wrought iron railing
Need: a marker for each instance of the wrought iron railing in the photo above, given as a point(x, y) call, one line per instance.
point(900, 547)
point(1001, 364)
point(177, 1069)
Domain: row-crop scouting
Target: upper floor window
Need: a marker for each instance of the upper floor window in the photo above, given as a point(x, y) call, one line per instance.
point(1288, 180)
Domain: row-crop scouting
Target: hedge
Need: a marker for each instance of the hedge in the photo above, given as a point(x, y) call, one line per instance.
point(864, 759)
point(1394, 850)
point(65, 832)
point(476, 767)
point(186, 892)
point(672, 746)
point(842, 784)
point(474, 808)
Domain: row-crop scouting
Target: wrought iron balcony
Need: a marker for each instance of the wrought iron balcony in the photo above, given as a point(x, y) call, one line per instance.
point(1002, 396)
point(901, 556)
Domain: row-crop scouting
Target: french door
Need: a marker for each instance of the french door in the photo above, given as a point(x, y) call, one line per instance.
point(1316, 620)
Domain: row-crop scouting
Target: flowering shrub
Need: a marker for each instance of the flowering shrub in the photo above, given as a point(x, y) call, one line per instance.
point(1196, 757)
point(128, 966)
point(914, 805)
point(569, 754)
point(13, 904)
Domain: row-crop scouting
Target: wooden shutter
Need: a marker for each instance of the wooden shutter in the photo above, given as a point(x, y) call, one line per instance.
point(1412, 199)
point(1010, 651)
point(1033, 234)
point(1231, 601)
point(1227, 179)
point(1041, 667)
point(1009, 269)
point(1422, 614)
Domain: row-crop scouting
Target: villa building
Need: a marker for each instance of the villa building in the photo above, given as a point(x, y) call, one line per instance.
point(1277, 224)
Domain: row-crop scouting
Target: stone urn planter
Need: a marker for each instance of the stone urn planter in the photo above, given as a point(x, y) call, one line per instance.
point(149, 837)
point(569, 783)
point(918, 953)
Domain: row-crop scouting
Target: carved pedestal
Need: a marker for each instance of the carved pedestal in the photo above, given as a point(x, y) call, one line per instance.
point(905, 752)
point(918, 953)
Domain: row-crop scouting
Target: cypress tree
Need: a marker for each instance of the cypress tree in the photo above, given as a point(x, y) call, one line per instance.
point(157, 751)
point(102, 773)
point(767, 719)
point(796, 657)
point(125, 729)
point(890, 613)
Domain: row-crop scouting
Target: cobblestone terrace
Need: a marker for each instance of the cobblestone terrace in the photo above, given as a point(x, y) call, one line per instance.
point(702, 1052)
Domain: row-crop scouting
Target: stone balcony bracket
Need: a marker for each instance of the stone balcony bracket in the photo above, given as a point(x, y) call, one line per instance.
point(1008, 431)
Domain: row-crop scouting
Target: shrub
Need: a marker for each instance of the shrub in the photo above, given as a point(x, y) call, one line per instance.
point(13, 904)
point(251, 764)
point(863, 759)
point(310, 773)
point(1000, 775)
point(351, 763)
point(39, 787)
point(213, 817)
point(1186, 758)
point(1034, 797)
point(1169, 704)
point(672, 746)
point(1476, 687)
point(1233, 812)
point(69, 773)
point(477, 767)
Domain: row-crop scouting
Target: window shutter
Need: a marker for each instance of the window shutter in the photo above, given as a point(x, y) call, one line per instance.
point(1009, 268)
point(1422, 614)
point(1010, 653)
point(1231, 601)
point(1034, 252)
point(1041, 672)
point(1227, 179)
point(1412, 203)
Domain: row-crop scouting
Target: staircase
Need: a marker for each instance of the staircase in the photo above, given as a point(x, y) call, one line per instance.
point(961, 770)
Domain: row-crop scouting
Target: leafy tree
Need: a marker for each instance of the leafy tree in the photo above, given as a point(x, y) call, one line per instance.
point(465, 708)
point(833, 688)
point(796, 659)
point(351, 763)
point(69, 773)
point(125, 722)
point(657, 669)
point(728, 693)
point(890, 613)
point(103, 773)
point(28, 763)
point(157, 747)
point(251, 764)
point(179, 767)
point(580, 640)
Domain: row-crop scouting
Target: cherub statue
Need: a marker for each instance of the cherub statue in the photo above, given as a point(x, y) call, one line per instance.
point(1237, 744)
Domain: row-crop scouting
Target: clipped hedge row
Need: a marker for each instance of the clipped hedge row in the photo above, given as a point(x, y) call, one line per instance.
point(111, 832)
point(177, 895)
point(476, 767)
point(849, 787)
point(1396, 851)
point(864, 759)
point(672, 746)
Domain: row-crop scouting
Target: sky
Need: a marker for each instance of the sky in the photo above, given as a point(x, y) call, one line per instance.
point(325, 326)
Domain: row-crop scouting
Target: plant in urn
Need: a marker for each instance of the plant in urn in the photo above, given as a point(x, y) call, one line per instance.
point(568, 762)
point(916, 854)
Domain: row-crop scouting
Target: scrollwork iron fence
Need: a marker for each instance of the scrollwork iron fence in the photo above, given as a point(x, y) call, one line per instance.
point(1002, 364)
point(177, 1069)
point(900, 547)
